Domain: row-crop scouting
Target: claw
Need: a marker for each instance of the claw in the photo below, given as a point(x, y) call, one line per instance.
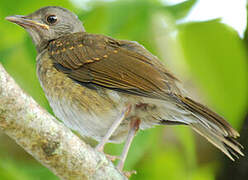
point(128, 174)
point(111, 157)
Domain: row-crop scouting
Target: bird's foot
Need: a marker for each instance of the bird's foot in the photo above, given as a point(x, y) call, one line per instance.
point(128, 174)
point(111, 157)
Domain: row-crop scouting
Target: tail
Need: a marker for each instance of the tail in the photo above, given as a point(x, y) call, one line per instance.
point(213, 127)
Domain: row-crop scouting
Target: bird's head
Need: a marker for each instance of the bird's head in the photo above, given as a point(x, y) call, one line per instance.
point(48, 23)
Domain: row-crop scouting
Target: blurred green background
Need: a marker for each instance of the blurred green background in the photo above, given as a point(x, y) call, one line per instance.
point(209, 57)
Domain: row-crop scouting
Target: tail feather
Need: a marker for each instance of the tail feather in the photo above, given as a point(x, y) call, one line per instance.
point(213, 127)
point(228, 147)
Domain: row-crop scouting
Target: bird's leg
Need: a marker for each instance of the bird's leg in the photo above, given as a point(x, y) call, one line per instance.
point(112, 129)
point(134, 127)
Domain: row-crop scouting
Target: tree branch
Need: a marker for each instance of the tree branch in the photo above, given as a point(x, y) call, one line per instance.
point(48, 140)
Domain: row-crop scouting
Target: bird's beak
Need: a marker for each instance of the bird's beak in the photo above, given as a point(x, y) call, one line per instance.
point(25, 22)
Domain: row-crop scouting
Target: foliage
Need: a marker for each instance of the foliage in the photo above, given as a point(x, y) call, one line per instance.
point(213, 53)
point(215, 49)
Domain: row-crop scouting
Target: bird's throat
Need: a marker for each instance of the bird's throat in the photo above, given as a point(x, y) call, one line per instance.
point(40, 43)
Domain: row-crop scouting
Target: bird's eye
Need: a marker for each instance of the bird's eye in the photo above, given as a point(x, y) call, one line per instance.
point(51, 19)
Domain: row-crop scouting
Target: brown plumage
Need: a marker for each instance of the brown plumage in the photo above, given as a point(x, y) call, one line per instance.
point(91, 81)
point(101, 60)
point(127, 67)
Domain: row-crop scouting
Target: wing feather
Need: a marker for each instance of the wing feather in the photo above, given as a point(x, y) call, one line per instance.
point(120, 65)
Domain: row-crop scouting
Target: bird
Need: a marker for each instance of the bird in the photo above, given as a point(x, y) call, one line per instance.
point(109, 89)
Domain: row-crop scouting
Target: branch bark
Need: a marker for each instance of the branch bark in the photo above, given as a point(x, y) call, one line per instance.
point(48, 140)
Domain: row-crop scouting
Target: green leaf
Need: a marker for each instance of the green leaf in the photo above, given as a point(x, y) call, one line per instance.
point(217, 59)
point(10, 33)
point(129, 20)
point(10, 170)
point(164, 164)
point(180, 10)
point(204, 173)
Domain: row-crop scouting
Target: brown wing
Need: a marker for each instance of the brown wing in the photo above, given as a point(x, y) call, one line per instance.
point(121, 65)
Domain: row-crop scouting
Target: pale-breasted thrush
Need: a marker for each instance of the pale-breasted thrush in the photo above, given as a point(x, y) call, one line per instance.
point(107, 89)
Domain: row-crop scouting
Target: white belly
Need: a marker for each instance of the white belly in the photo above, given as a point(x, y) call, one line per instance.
point(90, 123)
